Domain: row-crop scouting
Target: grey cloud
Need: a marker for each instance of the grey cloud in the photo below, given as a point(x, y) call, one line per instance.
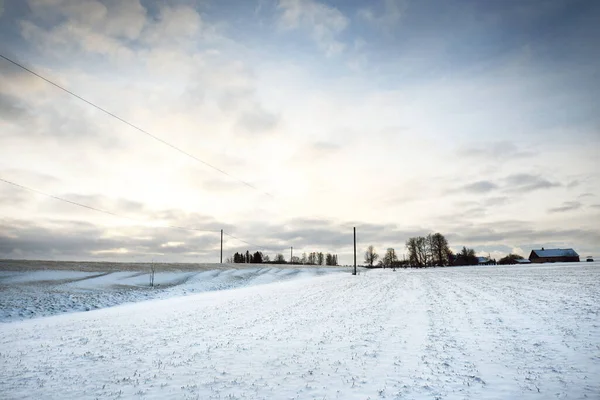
point(482, 234)
point(58, 118)
point(65, 238)
point(104, 202)
point(528, 183)
point(498, 151)
point(137, 211)
point(12, 109)
point(12, 197)
point(480, 187)
point(567, 206)
point(257, 121)
point(496, 201)
point(595, 206)
point(584, 195)
point(573, 184)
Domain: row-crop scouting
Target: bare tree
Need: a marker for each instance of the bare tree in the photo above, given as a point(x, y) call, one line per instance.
point(417, 251)
point(390, 258)
point(440, 250)
point(371, 256)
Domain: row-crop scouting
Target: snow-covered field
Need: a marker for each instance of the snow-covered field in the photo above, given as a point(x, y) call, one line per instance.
point(29, 293)
point(522, 332)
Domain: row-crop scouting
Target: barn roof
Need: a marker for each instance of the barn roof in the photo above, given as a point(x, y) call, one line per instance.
point(556, 253)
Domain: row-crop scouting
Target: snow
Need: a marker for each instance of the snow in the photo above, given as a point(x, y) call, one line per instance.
point(30, 294)
point(514, 332)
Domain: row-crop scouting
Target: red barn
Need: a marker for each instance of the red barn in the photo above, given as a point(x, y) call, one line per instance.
point(553, 255)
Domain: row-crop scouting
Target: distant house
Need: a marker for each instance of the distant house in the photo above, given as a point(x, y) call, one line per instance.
point(553, 255)
point(485, 261)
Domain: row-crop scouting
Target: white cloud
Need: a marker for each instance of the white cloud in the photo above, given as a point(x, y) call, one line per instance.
point(174, 24)
point(390, 15)
point(124, 19)
point(323, 22)
point(110, 29)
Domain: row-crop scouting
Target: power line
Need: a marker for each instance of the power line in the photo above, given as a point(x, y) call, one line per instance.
point(129, 218)
point(134, 126)
point(251, 244)
point(99, 209)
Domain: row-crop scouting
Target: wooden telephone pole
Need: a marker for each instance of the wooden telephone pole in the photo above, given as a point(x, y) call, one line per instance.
point(221, 246)
point(354, 273)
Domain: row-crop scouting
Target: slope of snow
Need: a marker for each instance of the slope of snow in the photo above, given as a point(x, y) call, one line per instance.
point(30, 294)
point(517, 332)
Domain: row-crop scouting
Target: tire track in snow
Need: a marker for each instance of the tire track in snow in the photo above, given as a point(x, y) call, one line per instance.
point(537, 345)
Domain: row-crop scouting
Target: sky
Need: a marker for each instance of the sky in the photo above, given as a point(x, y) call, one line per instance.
point(479, 120)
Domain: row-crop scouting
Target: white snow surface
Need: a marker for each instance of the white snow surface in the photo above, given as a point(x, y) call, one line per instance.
point(31, 294)
point(515, 332)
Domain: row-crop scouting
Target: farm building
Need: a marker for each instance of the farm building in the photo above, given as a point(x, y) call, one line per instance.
point(485, 261)
point(553, 255)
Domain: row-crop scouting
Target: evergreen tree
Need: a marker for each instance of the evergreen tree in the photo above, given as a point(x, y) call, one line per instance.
point(320, 258)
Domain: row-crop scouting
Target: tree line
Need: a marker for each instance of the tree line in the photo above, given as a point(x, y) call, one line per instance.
point(314, 258)
point(432, 250)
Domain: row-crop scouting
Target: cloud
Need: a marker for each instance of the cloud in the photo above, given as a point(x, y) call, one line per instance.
point(257, 121)
point(388, 17)
point(584, 195)
point(323, 22)
point(10, 197)
point(175, 24)
point(120, 30)
point(567, 206)
point(528, 183)
point(521, 234)
point(120, 19)
point(480, 187)
point(12, 109)
point(75, 240)
point(503, 150)
point(496, 201)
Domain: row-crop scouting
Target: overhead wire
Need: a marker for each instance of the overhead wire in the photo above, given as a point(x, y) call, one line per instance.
point(158, 139)
point(255, 245)
point(101, 210)
point(176, 148)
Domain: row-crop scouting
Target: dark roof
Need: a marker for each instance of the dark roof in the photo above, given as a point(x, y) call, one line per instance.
point(555, 253)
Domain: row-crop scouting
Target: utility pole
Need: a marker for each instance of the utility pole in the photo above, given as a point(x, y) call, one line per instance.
point(354, 273)
point(221, 246)
point(291, 253)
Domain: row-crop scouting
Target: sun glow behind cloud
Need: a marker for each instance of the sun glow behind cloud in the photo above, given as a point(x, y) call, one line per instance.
point(475, 125)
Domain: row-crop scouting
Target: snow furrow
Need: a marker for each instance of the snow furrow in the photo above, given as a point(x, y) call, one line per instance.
point(456, 333)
